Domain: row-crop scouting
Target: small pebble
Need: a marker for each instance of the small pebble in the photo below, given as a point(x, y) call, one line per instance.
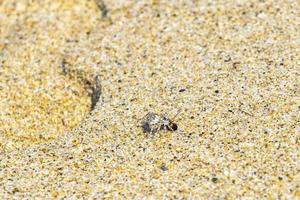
point(163, 168)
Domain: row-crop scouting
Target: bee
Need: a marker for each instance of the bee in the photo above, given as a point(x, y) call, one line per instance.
point(153, 123)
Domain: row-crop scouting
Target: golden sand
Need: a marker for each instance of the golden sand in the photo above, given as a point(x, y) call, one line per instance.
point(37, 105)
point(231, 67)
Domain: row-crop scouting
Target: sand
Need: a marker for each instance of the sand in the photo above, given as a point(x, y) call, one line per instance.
point(231, 67)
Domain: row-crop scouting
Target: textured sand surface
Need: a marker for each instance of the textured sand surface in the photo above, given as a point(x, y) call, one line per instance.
point(38, 102)
point(232, 67)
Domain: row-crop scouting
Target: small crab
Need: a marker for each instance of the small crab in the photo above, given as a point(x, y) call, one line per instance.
point(153, 123)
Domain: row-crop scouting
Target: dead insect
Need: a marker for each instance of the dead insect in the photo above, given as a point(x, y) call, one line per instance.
point(153, 123)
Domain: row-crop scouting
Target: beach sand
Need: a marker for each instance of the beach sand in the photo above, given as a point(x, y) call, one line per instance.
point(231, 67)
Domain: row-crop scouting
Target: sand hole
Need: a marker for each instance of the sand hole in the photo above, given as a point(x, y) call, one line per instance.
point(37, 105)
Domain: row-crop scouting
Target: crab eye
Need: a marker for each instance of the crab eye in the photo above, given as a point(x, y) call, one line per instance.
point(174, 126)
point(146, 128)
